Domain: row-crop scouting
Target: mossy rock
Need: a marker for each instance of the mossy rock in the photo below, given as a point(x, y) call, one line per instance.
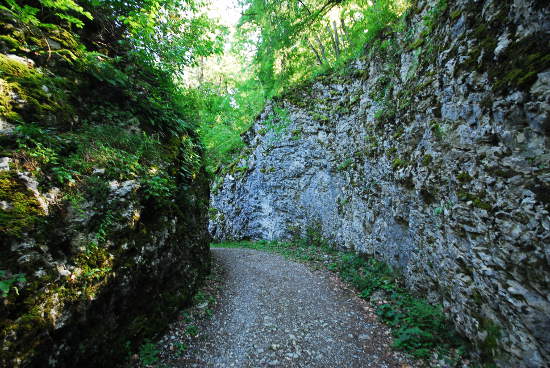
point(416, 43)
point(29, 92)
point(427, 160)
point(398, 163)
point(477, 200)
point(21, 210)
point(9, 42)
point(517, 67)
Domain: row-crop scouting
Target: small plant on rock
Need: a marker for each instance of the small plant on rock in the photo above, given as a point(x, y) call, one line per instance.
point(148, 353)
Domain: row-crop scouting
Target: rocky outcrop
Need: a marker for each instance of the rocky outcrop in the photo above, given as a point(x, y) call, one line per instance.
point(103, 202)
point(432, 153)
point(94, 286)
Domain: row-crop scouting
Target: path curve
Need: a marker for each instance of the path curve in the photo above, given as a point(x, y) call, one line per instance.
point(278, 313)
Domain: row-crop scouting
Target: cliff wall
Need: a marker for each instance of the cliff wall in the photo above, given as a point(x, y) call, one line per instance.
point(431, 152)
point(103, 202)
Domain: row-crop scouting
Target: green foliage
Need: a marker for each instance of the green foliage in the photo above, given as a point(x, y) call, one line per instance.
point(30, 84)
point(419, 327)
point(427, 160)
point(180, 348)
point(296, 40)
point(148, 353)
point(103, 68)
point(296, 35)
point(398, 163)
point(171, 34)
point(192, 330)
point(123, 155)
point(23, 211)
point(277, 122)
point(7, 282)
point(224, 118)
point(66, 10)
point(431, 19)
point(345, 164)
point(92, 109)
point(159, 187)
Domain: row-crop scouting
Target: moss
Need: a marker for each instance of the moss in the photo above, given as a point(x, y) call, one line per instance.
point(5, 99)
point(240, 169)
point(517, 67)
point(416, 43)
point(398, 133)
point(212, 213)
point(382, 88)
point(456, 14)
point(522, 61)
point(436, 129)
point(16, 68)
point(421, 86)
point(391, 152)
point(28, 83)
point(345, 165)
point(10, 42)
point(427, 160)
point(296, 135)
point(476, 297)
point(385, 116)
point(27, 319)
point(398, 163)
point(23, 210)
point(476, 200)
point(371, 140)
point(464, 177)
point(65, 38)
point(320, 117)
point(489, 346)
point(29, 331)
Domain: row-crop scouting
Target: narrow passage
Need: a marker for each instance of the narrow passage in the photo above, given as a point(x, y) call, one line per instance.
point(278, 313)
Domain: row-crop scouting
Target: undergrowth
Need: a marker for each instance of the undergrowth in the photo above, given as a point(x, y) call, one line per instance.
point(418, 327)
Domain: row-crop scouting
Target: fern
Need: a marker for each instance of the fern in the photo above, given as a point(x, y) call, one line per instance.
point(66, 10)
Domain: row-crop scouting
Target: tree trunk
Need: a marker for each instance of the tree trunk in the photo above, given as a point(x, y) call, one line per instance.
point(319, 60)
point(323, 51)
point(345, 31)
point(336, 39)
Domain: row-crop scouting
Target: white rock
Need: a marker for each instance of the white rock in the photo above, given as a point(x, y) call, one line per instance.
point(5, 163)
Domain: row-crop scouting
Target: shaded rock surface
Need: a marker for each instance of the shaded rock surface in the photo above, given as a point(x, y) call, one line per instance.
point(84, 304)
point(103, 203)
point(431, 153)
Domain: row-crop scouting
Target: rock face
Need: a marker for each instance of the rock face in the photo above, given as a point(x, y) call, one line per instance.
point(431, 153)
point(103, 202)
point(90, 298)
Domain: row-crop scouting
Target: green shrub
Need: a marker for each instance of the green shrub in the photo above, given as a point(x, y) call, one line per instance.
point(148, 353)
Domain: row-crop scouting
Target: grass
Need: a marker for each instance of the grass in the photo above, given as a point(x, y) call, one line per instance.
point(315, 256)
point(418, 327)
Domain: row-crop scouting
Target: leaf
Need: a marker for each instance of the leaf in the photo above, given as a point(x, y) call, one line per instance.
point(4, 288)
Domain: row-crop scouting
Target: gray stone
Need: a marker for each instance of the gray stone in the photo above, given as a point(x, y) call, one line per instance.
point(451, 191)
point(6, 128)
point(5, 163)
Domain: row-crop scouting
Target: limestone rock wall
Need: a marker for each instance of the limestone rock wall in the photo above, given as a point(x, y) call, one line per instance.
point(432, 153)
point(87, 304)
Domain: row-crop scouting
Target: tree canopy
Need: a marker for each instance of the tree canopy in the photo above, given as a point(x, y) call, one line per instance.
point(213, 77)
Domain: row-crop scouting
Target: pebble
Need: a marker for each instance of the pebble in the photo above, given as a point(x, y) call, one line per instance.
point(260, 325)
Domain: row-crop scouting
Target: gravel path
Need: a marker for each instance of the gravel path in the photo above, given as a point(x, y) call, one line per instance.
point(278, 313)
